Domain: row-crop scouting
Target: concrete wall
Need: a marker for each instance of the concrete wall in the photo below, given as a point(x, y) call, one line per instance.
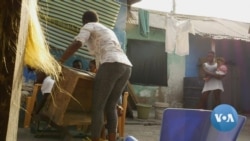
point(171, 94)
point(176, 66)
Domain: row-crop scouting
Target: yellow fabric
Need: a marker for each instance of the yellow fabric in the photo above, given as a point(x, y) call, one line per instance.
point(37, 54)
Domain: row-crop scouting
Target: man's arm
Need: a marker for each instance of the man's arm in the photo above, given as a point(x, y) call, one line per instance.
point(73, 47)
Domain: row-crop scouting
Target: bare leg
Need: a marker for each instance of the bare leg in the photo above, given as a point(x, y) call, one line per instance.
point(42, 103)
point(217, 100)
point(203, 101)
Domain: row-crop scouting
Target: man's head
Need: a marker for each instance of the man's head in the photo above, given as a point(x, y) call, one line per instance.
point(30, 69)
point(77, 64)
point(89, 16)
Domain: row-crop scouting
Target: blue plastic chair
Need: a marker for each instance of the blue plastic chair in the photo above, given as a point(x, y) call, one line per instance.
point(194, 125)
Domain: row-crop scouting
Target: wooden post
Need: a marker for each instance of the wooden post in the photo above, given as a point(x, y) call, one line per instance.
point(30, 36)
point(18, 72)
point(9, 25)
point(212, 45)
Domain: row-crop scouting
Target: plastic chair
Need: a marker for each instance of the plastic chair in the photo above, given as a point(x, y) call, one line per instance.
point(194, 125)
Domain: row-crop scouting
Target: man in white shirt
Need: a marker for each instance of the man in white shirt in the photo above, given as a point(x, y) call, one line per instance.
point(46, 89)
point(113, 71)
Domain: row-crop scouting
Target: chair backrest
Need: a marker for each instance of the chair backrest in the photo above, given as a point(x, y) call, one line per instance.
point(194, 125)
point(122, 118)
point(30, 103)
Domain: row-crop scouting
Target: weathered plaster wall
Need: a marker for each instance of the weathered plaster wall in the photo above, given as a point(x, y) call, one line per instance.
point(176, 73)
point(176, 67)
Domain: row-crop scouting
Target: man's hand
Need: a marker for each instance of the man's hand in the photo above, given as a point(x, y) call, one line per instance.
point(119, 110)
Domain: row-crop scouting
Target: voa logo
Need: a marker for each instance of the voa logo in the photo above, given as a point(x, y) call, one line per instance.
point(224, 117)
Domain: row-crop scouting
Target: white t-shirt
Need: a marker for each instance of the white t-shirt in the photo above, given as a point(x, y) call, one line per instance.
point(102, 43)
point(47, 85)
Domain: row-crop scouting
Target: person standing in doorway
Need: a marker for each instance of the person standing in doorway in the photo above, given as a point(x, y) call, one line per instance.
point(114, 70)
point(213, 84)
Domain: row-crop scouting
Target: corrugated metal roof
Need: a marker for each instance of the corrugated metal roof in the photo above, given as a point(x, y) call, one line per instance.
point(222, 29)
point(61, 20)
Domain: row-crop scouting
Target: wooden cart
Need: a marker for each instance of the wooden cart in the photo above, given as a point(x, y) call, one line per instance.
point(70, 103)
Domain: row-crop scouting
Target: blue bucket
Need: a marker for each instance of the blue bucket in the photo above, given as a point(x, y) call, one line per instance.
point(130, 138)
